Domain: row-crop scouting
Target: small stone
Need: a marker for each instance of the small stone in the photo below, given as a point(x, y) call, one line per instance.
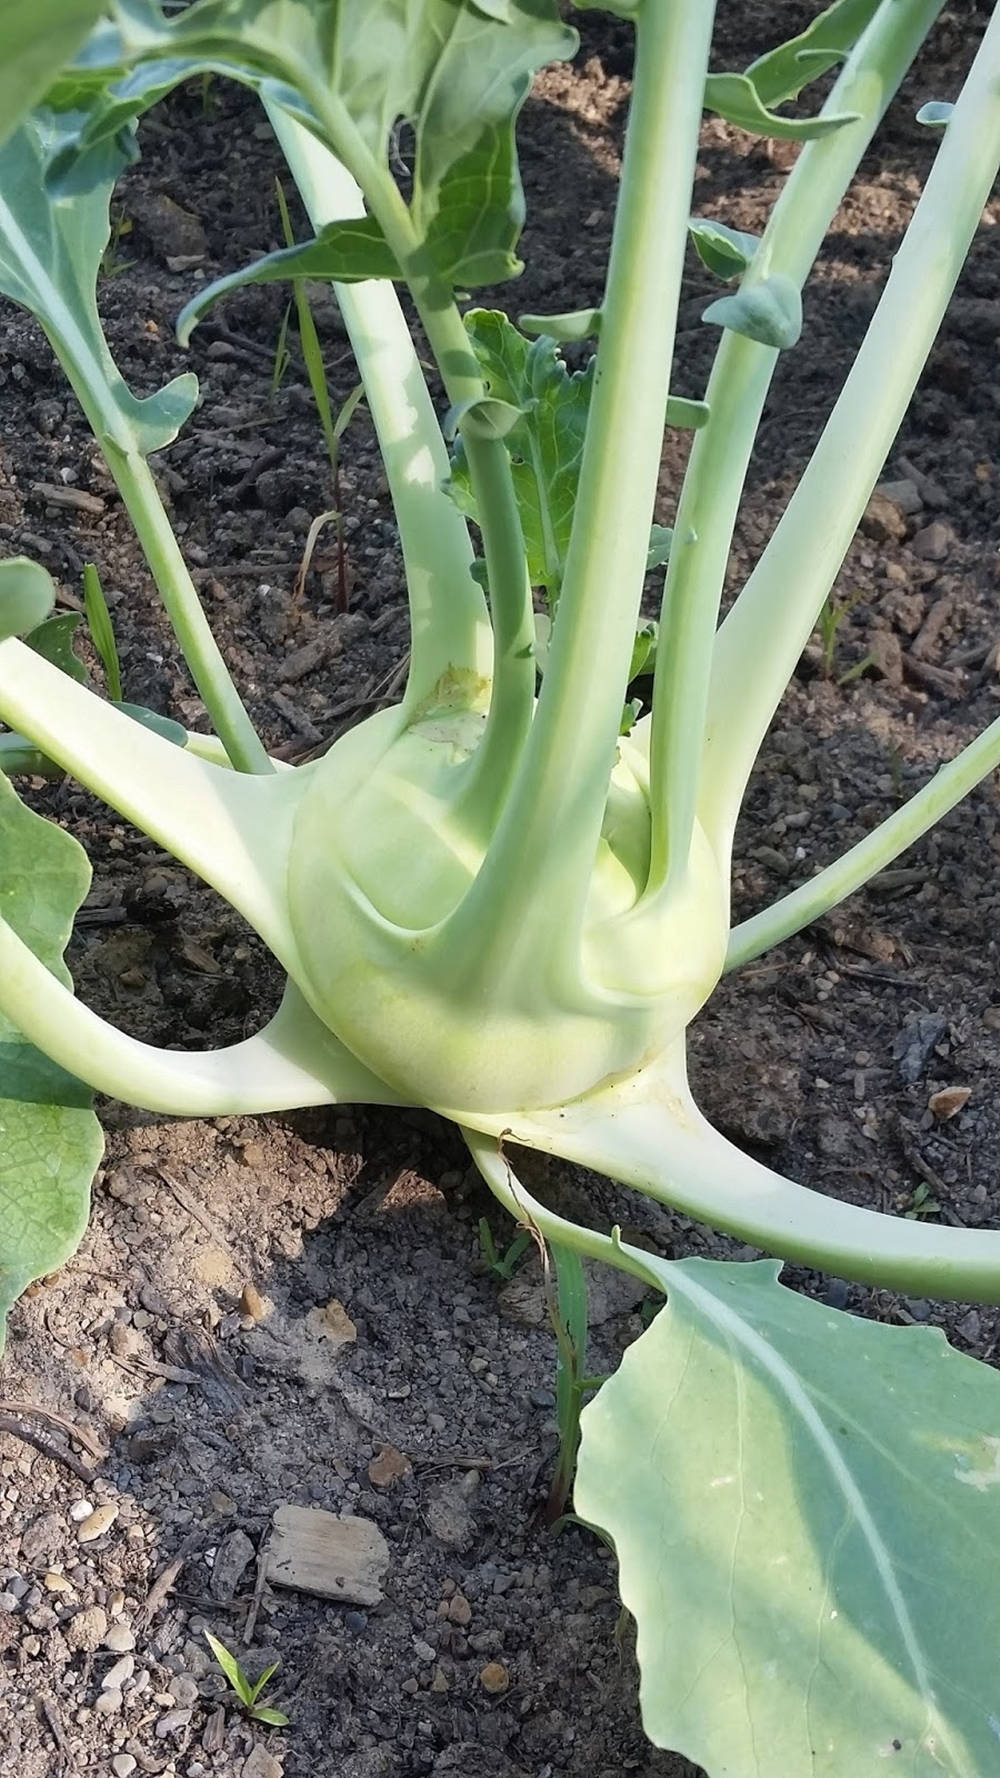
point(116, 1676)
point(173, 1722)
point(109, 1703)
point(259, 1763)
point(494, 1678)
point(935, 542)
point(43, 1537)
point(53, 1582)
point(542, 1398)
point(87, 1629)
point(423, 1651)
point(80, 1510)
point(882, 520)
point(886, 655)
point(448, 1513)
point(903, 493)
point(8, 1602)
point(100, 1521)
point(184, 1689)
point(223, 1504)
point(252, 1304)
point(233, 1558)
point(459, 1610)
point(123, 1765)
point(120, 1638)
point(948, 1102)
point(440, 1681)
point(387, 1467)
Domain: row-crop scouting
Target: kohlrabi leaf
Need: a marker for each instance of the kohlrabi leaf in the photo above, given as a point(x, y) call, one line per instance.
point(545, 442)
point(27, 595)
point(346, 251)
point(39, 38)
point(53, 640)
point(734, 97)
point(748, 99)
point(783, 72)
point(50, 256)
point(456, 72)
point(769, 312)
point(689, 416)
point(164, 726)
point(801, 1503)
point(50, 1140)
point(725, 251)
point(566, 329)
point(935, 114)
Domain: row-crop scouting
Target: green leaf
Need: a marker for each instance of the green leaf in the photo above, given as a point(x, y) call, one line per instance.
point(691, 416)
point(801, 1504)
point(661, 538)
point(644, 647)
point(102, 630)
point(53, 640)
point(455, 71)
point(275, 1718)
point(231, 1668)
point(160, 725)
point(51, 1141)
point(769, 312)
point(568, 328)
point(545, 441)
point(783, 72)
point(27, 595)
point(735, 97)
point(936, 114)
point(725, 251)
point(346, 251)
point(487, 419)
point(37, 39)
point(259, 1684)
point(50, 256)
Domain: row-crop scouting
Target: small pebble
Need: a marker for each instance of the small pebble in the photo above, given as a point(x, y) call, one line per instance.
point(494, 1678)
point(99, 1521)
point(109, 1703)
point(8, 1602)
point(80, 1510)
point(120, 1638)
point(124, 1764)
point(184, 1689)
point(116, 1676)
point(87, 1629)
point(56, 1583)
point(172, 1723)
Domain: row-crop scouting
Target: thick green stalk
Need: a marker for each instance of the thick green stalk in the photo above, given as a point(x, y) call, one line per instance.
point(449, 626)
point(513, 687)
point(901, 829)
point(764, 634)
point(721, 451)
point(544, 848)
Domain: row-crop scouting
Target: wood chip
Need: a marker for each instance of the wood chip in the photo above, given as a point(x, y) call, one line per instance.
point(319, 1552)
point(72, 499)
point(948, 1102)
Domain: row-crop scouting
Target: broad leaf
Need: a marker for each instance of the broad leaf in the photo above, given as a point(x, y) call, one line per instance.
point(455, 71)
point(53, 640)
point(725, 251)
point(804, 1506)
point(37, 39)
point(734, 97)
point(545, 441)
point(769, 312)
point(50, 1140)
point(50, 256)
point(348, 252)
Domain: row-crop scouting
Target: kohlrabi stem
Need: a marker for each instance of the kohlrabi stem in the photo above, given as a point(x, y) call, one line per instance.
point(137, 486)
point(449, 626)
point(901, 829)
point(513, 688)
point(545, 845)
point(721, 451)
point(764, 634)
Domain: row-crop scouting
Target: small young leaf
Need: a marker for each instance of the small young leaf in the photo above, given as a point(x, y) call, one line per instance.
point(102, 632)
point(231, 1668)
point(783, 72)
point(644, 648)
point(566, 329)
point(276, 1719)
point(769, 312)
point(27, 595)
point(259, 1684)
point(725, 251)
point(660, 539)
point(936, 114)
point(690, 416)
point(53, 640)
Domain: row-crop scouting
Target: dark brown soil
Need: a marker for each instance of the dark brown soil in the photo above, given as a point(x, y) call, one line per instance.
point(211, 1403)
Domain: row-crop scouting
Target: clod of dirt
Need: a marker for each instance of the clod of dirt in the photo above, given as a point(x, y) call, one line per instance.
point(314, 1551)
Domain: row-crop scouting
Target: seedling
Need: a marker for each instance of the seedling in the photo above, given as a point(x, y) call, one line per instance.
point(505, 1264)
point(248, 1691)
point(486, 899)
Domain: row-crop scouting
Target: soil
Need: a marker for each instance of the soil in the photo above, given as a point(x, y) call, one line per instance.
point(297, 1311)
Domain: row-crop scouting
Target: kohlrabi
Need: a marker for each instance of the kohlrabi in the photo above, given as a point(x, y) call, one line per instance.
point(505, 898)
